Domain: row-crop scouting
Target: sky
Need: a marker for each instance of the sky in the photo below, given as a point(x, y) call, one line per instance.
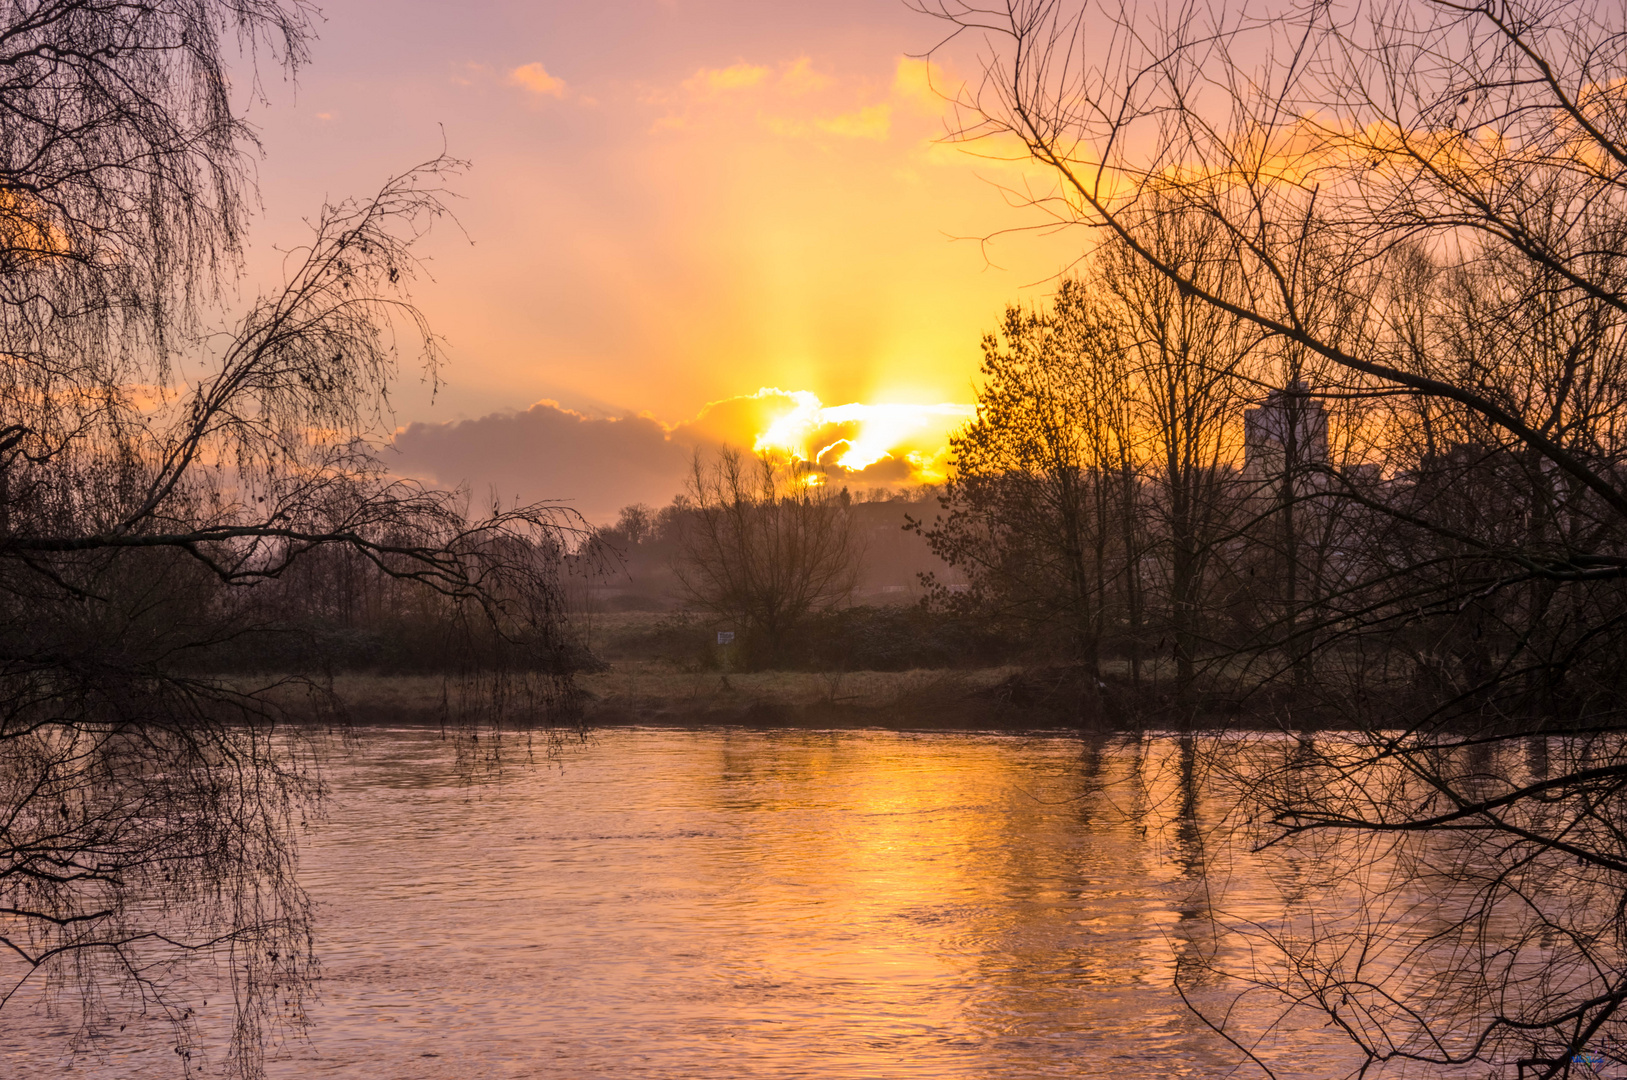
point(679, 216)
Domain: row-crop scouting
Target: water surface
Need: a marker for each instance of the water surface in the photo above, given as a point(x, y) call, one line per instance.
point(845, 904)
point(666, 904)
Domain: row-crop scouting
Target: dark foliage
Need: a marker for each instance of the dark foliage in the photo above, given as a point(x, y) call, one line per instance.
point(900, 639)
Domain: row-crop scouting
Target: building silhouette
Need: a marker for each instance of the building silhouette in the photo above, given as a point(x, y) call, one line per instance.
point(1286, 421)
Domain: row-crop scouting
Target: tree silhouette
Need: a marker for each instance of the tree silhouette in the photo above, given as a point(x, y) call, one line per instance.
point(151, 474)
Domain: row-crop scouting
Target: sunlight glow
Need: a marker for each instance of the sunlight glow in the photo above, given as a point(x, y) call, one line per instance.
point(856, 436)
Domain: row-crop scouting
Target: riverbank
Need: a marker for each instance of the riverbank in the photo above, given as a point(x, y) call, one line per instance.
point(656, 693)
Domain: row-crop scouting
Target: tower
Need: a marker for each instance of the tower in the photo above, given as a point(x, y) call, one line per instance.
point(1285, 416)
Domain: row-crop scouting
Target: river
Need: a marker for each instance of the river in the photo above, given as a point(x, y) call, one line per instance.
point(670, 904)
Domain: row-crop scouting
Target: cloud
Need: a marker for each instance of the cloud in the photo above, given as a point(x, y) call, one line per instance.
point(737, 421)
point(869, 122)
point(598, 465)
point(548, 452)
point(535, 78)
point(469, 73)
point(795, 100)
point(711, 81)
point(791, 99)
point(903, 441)
point(801, 78)
point(923, 82)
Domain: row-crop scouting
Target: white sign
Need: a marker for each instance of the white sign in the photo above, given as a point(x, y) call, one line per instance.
point(725, 637)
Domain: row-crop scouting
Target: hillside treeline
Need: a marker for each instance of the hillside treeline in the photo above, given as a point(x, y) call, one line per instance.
point(339, 610)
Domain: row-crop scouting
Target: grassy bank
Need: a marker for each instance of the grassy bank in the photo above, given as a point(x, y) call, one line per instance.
point(652, 692)
point(666, 669)
point(655, 692)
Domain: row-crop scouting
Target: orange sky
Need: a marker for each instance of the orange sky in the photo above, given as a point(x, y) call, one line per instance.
point(671, 204)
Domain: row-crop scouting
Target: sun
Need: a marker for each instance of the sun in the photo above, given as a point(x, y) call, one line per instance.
point(856, 436)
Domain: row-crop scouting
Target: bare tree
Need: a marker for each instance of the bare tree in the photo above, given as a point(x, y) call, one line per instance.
point(1025, 503)
point(765, 544)
point(150, 812)
point(1480, 131)
point(1090, 327)
point(1188, 362)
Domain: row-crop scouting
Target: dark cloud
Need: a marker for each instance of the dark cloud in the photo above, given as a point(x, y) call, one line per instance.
point(547, 452)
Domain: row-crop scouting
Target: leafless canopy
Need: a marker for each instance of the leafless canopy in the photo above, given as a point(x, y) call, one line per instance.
point(1470, 132)
point(763, 545)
